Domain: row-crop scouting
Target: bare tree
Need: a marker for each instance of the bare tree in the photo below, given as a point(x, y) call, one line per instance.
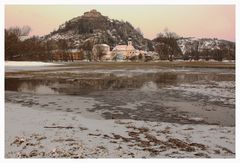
point(170, 34)
point(13, 43)
point(63, 46)
point(50, 45)
point(166, 45)
point(14, 30)
point(25, 30)
point(139, 31)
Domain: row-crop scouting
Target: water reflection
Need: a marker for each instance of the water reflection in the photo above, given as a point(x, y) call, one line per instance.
point(39, 89)
point(29, 86)
point(83, 85)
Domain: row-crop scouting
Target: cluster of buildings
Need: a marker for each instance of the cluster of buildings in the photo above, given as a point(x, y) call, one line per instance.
point(119, 52)
point(102, 52)
point(122, 52)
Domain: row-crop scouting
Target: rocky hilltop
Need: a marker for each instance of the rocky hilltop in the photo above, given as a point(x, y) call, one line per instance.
point(92, 28)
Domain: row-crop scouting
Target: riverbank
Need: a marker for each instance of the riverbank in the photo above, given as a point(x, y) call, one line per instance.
point(44, 133)
point(12, 66)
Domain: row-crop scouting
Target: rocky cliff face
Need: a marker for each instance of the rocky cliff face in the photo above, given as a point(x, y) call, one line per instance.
point(93, 28)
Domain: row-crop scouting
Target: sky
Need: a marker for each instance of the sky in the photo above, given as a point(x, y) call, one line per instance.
point(201, 21)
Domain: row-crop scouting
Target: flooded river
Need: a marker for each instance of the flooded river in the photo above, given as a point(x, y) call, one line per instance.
point(184, 95)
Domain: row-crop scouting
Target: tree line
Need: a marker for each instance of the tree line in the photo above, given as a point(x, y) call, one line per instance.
point(19, 46)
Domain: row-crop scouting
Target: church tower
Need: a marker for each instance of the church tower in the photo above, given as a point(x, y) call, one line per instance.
point(129, 42)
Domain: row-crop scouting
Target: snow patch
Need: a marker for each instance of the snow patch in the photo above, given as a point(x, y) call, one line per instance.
point(93, 133)
point(27, 63)
point(223, 91)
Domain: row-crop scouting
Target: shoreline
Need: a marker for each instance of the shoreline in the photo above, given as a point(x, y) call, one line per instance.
point(114, 64)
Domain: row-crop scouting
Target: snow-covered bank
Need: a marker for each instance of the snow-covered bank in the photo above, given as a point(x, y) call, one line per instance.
point(28, 63)
point(45, 133)
point(13, 66)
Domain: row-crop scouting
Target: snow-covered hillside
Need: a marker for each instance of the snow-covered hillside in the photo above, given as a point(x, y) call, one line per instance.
point(188, 45)
point(92, 28)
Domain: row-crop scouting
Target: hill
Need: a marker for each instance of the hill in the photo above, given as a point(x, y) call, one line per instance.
point(207, 48)
point(94, 28)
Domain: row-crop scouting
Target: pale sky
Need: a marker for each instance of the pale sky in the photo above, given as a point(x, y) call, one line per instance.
point(186, 20)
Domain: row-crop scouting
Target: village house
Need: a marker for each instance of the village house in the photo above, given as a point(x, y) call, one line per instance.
point(101, 51)
point(68, 55)
point(122, 52)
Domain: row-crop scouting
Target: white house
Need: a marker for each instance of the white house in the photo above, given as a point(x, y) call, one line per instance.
point(124, 50)
point(101, 51)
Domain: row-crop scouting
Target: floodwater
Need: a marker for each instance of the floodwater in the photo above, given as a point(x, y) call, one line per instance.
point(187, 96)
point(112, 80)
